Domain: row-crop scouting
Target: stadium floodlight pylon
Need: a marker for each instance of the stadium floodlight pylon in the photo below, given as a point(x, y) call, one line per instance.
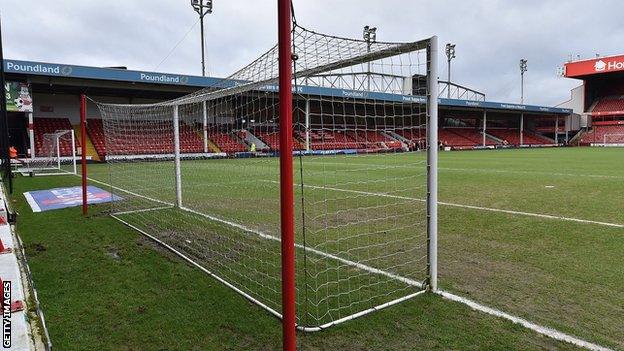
point(52, 161)
point(198, 174)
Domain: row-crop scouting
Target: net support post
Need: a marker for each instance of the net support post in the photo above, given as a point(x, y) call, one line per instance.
point(83, 154)
point(567, 129)
point(73, 145)
point(31, 135)
point(307, 124)
point(432, 163)
point(176, 154)
point(205, 125)
point(484, 127)
point(289, 335)
point(58, 151)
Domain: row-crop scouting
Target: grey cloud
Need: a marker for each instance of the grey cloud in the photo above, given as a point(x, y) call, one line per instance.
point(491, 35)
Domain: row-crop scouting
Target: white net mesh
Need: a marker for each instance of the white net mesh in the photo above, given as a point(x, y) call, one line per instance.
point(361, 180)
point(57, 155)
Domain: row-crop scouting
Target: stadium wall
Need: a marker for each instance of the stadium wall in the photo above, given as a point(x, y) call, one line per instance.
point(577, 105)
point(68, 105)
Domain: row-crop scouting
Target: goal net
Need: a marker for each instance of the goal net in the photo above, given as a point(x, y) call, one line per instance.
point(199, 175)
point(57, 154)
point(614, 139)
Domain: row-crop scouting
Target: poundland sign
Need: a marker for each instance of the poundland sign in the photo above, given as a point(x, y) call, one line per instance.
point(594, 66)
point(37, 68)
point(51, 69)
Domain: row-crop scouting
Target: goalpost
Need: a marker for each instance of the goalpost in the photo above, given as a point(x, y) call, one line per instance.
point(614, 140)
point(57, 156)
point(343, 225)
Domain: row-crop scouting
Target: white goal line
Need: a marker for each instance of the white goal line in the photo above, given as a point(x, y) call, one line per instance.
point(449, 204)
point(549, 332)
point(345, 261)
point(552, 333)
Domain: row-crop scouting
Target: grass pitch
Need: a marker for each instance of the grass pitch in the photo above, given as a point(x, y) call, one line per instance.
point(563, 274)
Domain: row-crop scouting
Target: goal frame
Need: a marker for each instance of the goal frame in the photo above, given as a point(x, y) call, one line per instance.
point(56, 159)
point(286, 237)
point(604, 140)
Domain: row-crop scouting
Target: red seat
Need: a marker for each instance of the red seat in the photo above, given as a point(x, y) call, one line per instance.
point(226, 142)
point(597, 134)
point(271, 138)
point(139, 138)
point(47, 125)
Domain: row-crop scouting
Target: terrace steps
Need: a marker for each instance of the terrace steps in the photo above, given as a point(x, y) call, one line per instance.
point(88, 148)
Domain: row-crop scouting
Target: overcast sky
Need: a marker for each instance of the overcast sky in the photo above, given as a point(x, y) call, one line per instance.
point(491, 35)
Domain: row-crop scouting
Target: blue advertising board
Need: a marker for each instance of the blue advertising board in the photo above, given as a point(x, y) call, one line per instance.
point(52, 199)
point(125, 75)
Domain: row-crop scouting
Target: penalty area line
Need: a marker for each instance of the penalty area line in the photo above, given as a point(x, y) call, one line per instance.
point(472, 170)
point(472, 207)
point(552, 333)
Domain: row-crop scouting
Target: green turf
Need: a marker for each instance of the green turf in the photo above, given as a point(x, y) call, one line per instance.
point(561, 274)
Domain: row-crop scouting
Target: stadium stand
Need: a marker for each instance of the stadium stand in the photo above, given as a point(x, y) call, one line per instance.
point(190, 140)
point(95, 131)
point(417, 137)
point(226, 142)
point(452, 139)
point(614, 129)
point(412, 134)
point(373, 140)
point(474, 135)
point(320, 139)
point(611, 105)
point(512, 137)
point(607, 112)
point(272, 140)
point(330, 140)
point(50, 125)
point(143, 142)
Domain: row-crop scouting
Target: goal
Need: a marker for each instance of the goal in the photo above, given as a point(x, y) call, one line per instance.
point(336, 165)
point(57, 155)
point(614, 139)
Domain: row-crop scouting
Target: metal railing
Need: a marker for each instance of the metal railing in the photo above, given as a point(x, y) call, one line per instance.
point(459, 92)
point(388, 83)
point(364, 81)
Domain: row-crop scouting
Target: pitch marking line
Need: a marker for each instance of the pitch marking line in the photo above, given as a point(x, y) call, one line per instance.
point(449, 204)
point(407, 281)
point(552, 333)
point(474, 170)
point(485, 170)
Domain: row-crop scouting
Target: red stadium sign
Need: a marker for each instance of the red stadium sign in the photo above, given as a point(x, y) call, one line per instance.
point(594, 66)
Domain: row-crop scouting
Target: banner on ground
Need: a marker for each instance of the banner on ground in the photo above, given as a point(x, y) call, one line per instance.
point(52, 199)
point(18, 97)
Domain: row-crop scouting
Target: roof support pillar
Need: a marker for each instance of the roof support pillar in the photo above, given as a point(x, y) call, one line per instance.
point(521, 129)
point(484, 126)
